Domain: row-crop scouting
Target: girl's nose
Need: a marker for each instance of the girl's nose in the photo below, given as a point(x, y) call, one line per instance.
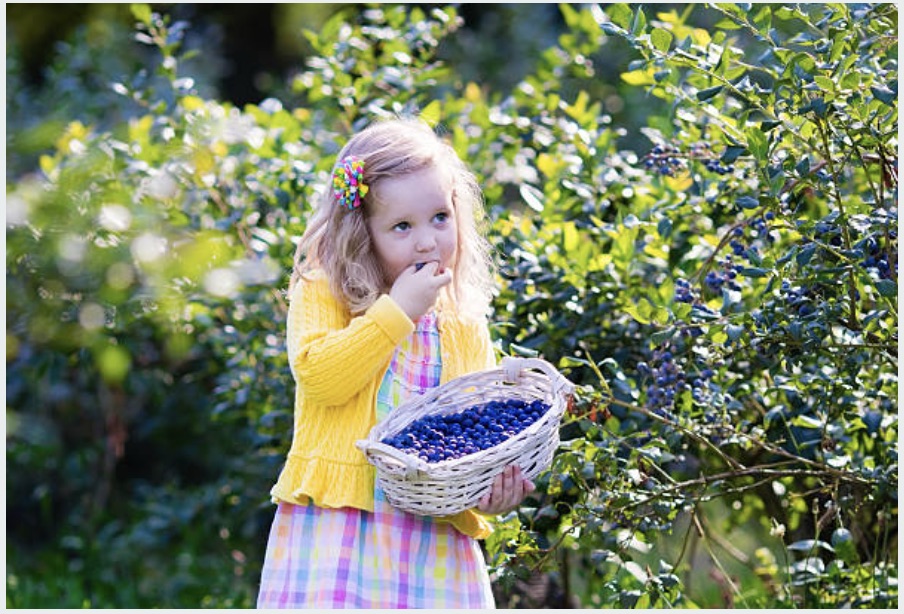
point(425, 242)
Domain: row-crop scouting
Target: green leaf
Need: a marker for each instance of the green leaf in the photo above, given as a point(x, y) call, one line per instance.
point(757, 143)
point(807, 422)
point(432, 113)
point(734, 9)
point(753, 272)
point(142, 13)
point(885, 94)
point(807, 545)
point(638, 77)
point(620, 14)
point(840, 46)
point(664, 227)
point(825, 83)
point(520, 350)
point(817, 106)
point(708, 93)
point(731, 153)
point(640, 22)
point(641, 312)
point(662, 39)
point(735, 331)
point(727, 24)
point(662, 336)
point(763, 19)
point(533, 197)
point(661, 316)
point(806, 254)
point(887, 287)
point(570, 237)
point(682, 310)
point(572, 361)
point(748, 202)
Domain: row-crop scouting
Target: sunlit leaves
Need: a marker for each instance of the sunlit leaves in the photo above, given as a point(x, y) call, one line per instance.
point(764, 301)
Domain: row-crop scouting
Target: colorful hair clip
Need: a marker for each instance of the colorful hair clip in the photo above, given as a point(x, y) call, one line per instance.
point(348, 182)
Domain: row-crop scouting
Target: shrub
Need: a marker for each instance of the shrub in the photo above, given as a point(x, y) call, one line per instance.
point(725, 298)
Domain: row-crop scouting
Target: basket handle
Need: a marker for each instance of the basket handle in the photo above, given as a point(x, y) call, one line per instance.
point(410, 464)
point(513, 365)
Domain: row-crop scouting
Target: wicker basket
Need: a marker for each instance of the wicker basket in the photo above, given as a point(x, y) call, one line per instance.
point(447, 487)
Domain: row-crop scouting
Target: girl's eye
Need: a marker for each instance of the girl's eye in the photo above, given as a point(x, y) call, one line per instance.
point(402, 226)
point(441, 217)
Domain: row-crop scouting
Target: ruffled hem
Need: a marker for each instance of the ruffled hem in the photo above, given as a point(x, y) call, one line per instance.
point(335, 484)
point(470, 523)
point(327, 483)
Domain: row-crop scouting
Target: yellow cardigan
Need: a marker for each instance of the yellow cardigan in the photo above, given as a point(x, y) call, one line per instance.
point(338, 363)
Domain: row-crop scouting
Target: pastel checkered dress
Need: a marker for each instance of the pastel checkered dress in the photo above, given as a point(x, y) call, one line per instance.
point(350, 558)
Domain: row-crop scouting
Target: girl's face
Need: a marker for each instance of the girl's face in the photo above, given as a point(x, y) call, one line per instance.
point(412, 222)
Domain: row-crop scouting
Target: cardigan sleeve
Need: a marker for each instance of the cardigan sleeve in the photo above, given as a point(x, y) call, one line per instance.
point(332, 355)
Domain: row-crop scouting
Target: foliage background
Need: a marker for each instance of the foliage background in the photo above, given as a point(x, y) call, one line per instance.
point(696, 209)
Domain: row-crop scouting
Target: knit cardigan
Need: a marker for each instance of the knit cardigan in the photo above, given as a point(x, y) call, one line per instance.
point(338, 362)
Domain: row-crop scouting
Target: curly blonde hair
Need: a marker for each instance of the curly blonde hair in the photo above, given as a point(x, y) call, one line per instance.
point(337, 241)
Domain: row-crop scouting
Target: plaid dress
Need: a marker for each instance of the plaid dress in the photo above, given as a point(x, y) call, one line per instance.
point(349, 558)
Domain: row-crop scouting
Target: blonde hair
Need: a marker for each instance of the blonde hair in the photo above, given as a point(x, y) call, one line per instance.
point(337, 240)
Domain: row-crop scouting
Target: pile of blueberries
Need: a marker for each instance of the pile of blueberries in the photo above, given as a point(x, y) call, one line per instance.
point(437, 438)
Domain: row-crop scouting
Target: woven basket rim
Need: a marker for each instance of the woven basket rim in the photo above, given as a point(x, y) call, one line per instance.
point(436, 469)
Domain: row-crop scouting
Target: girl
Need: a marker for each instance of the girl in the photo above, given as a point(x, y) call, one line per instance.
point(389, 296)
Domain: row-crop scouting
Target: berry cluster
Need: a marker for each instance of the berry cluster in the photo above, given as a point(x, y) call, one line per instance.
point(876, 260)
point(747, 239)
point(700, 386)
point(715, 166)
point(442, 437)
point(800, 300)
point(827, 232)
point(684, 292)
point(664, 159)
point(726, 277)
point(669, 160)
point(702, 151)
point(667, 380)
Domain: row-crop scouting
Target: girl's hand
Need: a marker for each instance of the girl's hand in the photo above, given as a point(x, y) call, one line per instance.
point(508, 490)
point(416, 290)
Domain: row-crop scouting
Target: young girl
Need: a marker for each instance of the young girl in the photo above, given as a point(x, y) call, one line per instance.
point(389, 297)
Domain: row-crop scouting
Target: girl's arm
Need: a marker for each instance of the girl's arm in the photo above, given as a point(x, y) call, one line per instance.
point(331, 357)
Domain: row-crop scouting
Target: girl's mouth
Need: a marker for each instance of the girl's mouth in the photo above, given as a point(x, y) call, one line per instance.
point(420, 265)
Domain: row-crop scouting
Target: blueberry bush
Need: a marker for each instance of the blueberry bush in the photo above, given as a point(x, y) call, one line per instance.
point(716, 271)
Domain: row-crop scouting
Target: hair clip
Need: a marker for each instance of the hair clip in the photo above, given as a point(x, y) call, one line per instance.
point(348, 182)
